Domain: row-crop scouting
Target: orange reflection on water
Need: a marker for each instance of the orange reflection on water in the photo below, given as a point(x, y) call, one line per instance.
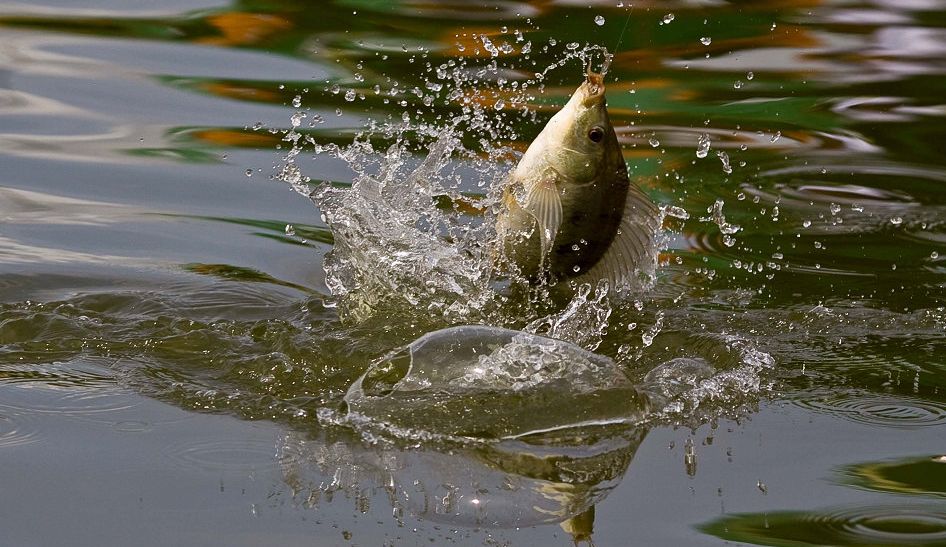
point(239, 28)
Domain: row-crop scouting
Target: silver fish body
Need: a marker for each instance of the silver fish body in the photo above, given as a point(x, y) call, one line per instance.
point(569, 209)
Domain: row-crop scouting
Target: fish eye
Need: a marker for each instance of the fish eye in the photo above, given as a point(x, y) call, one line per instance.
point(596, 133)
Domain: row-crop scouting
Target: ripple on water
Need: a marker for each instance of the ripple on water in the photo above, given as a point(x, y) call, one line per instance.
point(53, 399)
point(914, 524)
point(923, 475)
point(230, 454)
point(879, 410)
point(16, 430)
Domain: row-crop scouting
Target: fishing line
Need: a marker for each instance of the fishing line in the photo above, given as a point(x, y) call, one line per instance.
point(621, 36)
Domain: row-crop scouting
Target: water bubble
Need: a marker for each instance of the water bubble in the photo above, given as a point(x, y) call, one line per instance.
point(703, 146)
point(750, 75)
point(737, 84)
point(896, 221)
point(297, 101)
point(576, 268)
point(249, 172)
point(499, 104)
point(654, 142)
point(706, 40)
point(599, 20)
point(667, 19)
point(335, 89)
point(350, 95)
point(806, 223)
point(818, 245)
point(934, 255)
point(338, 111)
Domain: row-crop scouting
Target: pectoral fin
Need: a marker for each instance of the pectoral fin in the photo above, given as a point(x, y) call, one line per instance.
point(543, 202)
point(632, 251)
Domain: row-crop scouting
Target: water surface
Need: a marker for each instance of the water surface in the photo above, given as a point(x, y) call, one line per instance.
point(174, 368)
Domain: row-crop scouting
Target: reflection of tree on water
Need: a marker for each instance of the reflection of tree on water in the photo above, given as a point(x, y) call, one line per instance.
point(479, 427)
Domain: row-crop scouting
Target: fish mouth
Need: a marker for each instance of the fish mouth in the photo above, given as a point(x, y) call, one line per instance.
point(593, 88)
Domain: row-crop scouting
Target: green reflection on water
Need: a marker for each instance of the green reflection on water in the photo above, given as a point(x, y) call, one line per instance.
point(880, 525)
point(918, 476)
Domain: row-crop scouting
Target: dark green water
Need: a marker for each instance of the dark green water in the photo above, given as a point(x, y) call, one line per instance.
point(172, 362)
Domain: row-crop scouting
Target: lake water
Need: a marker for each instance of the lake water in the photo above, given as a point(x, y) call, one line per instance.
point(176, 370)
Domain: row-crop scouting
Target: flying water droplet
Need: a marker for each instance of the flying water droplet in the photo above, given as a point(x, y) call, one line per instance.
point(706, 40)
point(667, 19)
point(599, 20)
point(703, 146)
point(724, 158)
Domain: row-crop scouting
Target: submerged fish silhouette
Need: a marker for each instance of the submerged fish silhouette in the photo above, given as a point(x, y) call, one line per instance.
point(569, 209)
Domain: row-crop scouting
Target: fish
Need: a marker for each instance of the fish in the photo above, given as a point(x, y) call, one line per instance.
point(568, 210)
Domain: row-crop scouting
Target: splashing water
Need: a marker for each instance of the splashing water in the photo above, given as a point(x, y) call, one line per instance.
point(413, 238)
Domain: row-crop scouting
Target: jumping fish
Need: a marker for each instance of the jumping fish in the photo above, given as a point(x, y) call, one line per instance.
point(568, 208)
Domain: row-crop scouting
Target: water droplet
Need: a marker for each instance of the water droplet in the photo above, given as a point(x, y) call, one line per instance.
point(934, 255)
point(737, 84)
point(350, 95)
point(703, 146)
point(806, 223)
point(667, 19)
point(290, 231)
point(576, 268)
point(818, 245)
point(750, 75)
point(777, 136)
point(249, 172)
point(499, 104)
point(654, 142)
point(599, 20)
point(677, 212)
point(706, 40)
point(724, 158)
point(835, 208)
point(896, 221)
point(297, 101)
